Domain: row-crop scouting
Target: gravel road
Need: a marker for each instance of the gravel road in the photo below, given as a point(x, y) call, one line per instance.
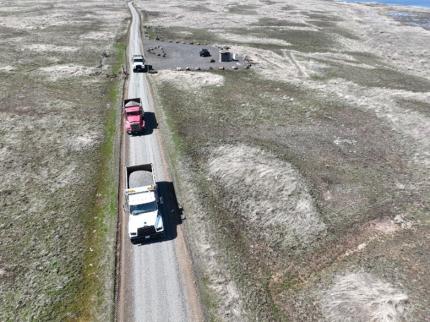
point(157, 282)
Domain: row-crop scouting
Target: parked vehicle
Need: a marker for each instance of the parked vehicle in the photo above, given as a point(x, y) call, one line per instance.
point(134, 121)
point(141, 204)
point(205, 53)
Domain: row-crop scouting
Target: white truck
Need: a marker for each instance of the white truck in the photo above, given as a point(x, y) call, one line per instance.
point(139, 64)
point(141, 204)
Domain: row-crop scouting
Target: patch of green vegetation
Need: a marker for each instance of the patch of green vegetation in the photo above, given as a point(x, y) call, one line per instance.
point(366, 58)
point(288, 8)
point(300, 40)
point(322, 16)
point(209, 301)
point(332, 27)
point(181, 33)
point(96, 288)
point(304, 40)
point(120, 50)
point(150, 32)
point(147, 14)
point(243, 9)
point(414, 105)
point(266, 21)
point(377, 77)
point(197, 8)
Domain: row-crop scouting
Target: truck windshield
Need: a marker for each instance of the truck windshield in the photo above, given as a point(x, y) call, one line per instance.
point(134, 113)
point(138, 60)
point(145, 207)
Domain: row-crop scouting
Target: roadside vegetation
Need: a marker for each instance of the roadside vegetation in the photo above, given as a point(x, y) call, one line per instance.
point(302, 180)
point(60, 86)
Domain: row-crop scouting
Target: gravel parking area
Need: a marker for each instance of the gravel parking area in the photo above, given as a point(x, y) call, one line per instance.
point(176, 55)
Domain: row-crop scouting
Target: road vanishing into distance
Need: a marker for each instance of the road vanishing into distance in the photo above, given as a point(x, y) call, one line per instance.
point(156, 278)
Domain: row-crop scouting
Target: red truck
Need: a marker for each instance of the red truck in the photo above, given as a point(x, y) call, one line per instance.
point(133, 116)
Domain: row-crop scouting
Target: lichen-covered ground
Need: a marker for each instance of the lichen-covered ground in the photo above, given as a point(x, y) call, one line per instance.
point(305, 179)
point(58, 98)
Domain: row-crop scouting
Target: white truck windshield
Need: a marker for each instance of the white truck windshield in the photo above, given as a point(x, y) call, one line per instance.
point(142, 208)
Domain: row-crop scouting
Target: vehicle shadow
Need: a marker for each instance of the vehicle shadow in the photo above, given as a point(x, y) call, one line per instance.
point(150, 122)
point(171, 212)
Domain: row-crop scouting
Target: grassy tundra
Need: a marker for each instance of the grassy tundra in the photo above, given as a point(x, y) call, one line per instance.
point(60, 68)
point(304, 179)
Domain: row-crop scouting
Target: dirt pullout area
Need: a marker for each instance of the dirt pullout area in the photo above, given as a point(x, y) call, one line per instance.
point(304, 179)
point(169, 55)
point(58, 98)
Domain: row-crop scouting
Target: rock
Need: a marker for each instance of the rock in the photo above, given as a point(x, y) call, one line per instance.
point(398, 220)
point(407, 225)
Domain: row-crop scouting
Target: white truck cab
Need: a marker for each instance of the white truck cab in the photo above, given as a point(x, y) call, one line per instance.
point(141, 205)
point(138, 63)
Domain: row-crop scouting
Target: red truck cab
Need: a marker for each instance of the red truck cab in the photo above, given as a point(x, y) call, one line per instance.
point(133, 116)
